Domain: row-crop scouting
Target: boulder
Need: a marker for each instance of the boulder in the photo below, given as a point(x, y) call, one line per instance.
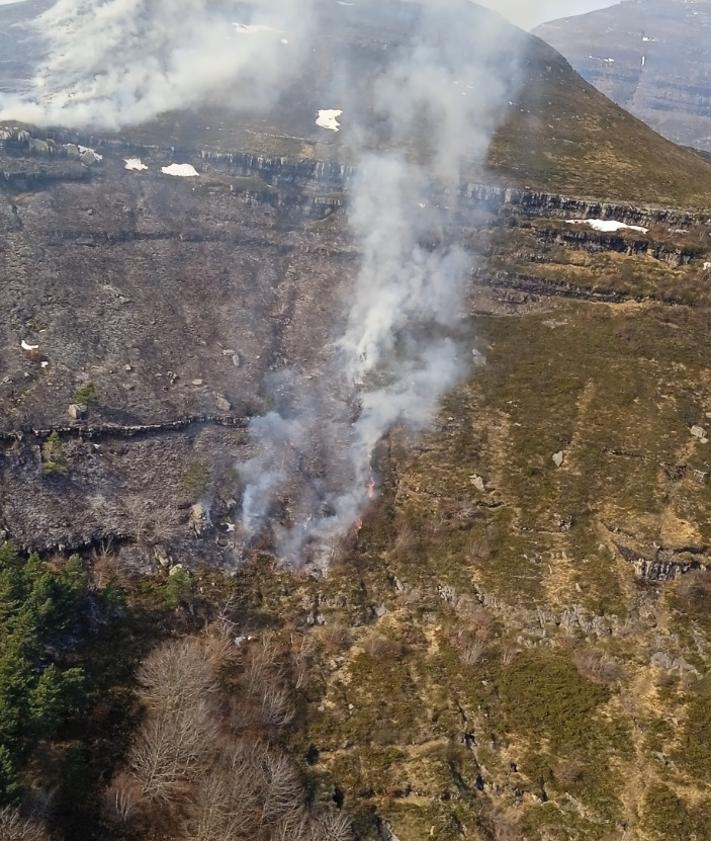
point(89, 158)
point(200, 518)
point(478, 483)
point(77, 411)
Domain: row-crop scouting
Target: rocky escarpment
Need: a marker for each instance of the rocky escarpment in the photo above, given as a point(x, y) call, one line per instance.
point(322, 177)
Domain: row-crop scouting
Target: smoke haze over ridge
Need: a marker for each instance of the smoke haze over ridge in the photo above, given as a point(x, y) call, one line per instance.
point(123, 62)
point(400, 342)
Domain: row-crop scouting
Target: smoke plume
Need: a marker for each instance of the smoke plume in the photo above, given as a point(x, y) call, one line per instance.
point(427, 109)
point(437, 103)
point(122, 62)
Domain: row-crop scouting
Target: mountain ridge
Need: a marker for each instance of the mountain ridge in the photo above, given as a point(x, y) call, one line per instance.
point(649, 56)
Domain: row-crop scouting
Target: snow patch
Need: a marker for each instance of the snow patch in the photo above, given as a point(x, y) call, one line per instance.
point(28, 346)
point(328, 118)
point(180, 170)
point(607, 225)
point(135, 165)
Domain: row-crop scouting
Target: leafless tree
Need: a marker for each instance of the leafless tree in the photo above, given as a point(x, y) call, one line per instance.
point(13, 827)
point(471, 652)
point(267, 698)
point(173, 747)
point(193, 772)
point(283, 790)
point(252, 792)
point(123, 798)
point(332, 826)
point(175, 674)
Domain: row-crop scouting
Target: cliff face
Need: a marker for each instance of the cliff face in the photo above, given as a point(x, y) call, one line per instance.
point(652, 57)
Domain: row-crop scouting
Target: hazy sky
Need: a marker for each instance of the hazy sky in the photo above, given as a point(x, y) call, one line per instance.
point(529, 13)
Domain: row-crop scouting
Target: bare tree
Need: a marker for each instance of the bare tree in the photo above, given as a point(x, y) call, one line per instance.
point(173, 747)
point(252, 789)
point(196, 774)
point(284, 792)
point(267, 699)
point(123, 798)
point(178, 739)
point(13, 827)
point(598, 667)
point(175, 674)
point(332, 826)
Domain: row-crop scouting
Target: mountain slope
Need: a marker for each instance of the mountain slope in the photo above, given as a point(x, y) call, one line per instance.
point(516, 644)
point(557, 133)
point(652, 57)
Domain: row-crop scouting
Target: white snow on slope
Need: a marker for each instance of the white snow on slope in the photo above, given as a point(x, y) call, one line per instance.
point(181, 170)
point(135, 165)
point(28, 346)
point(607, 225)
point(328, 118)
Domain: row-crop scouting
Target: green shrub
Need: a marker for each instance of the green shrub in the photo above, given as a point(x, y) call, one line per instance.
point(179, 588)
point(196, 478)
point(86, 395)
point(54, 461)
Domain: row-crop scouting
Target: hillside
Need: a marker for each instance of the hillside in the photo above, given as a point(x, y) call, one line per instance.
point(651, 57)
point(558, 134)
point(512, 645)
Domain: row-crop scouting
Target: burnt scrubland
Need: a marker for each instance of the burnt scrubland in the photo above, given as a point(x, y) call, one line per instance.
point(514, 644)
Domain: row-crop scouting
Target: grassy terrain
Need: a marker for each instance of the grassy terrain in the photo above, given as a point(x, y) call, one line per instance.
point(565, 136)
point(570, 714)
point(485, 661)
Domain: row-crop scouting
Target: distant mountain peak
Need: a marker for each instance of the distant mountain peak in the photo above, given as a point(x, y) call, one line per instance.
point(652, 57)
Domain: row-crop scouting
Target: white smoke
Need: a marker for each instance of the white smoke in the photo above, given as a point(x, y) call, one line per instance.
point(440, 99)
point(111, 63)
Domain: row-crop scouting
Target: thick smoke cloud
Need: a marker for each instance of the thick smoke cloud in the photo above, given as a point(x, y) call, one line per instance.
point(121, 62)
point(397, 353)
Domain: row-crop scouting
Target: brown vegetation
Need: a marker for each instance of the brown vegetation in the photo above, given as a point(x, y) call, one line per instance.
point(13, 827)
point(205, 764)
